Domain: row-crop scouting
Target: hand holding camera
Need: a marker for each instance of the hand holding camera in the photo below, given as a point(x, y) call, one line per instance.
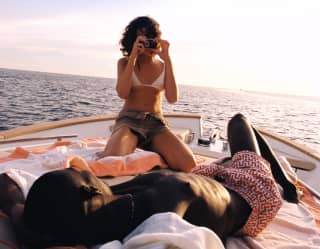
point(164, 51)
point(138, 47)
point(160, 47)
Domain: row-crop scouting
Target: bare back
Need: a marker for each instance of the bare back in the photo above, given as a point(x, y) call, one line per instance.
point(200, 200)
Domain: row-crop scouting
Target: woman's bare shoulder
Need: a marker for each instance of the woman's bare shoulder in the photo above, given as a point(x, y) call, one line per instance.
point(123, 61)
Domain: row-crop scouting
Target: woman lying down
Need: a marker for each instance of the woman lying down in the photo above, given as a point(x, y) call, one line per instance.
point(73, 207)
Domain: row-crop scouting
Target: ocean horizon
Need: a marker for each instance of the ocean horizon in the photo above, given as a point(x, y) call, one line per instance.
point(310, 97)
point(29, 97)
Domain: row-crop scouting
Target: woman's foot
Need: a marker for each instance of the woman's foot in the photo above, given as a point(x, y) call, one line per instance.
point(290, 192)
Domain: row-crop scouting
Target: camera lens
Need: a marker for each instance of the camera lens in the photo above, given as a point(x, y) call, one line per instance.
point(150, 43)
point(147, 44)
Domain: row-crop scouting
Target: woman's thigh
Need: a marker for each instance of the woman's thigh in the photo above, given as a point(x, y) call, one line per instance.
point(176, 153)
point(121, 142)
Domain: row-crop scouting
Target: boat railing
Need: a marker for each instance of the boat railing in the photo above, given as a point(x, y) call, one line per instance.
point(57, 137)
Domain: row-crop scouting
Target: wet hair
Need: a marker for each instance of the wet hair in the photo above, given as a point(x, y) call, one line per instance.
point(129, 35)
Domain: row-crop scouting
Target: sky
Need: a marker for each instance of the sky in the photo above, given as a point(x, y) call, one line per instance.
point(257, 45)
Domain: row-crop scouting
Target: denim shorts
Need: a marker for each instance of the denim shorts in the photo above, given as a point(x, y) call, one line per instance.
point(145, 125)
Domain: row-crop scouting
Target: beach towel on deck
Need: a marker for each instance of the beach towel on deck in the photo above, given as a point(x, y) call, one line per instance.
point(25, 166)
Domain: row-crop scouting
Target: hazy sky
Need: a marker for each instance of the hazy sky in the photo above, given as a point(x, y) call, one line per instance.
point(270, 45)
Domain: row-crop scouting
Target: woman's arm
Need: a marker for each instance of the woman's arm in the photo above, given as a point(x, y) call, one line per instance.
point(171, 88)
point(126, 67)
point(124, 83)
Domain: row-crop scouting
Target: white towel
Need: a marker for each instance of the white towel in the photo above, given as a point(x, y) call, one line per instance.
point(167, 231)
point(25, 171)
point(293, 227)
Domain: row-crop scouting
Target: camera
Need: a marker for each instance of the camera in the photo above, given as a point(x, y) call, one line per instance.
point(150, 43)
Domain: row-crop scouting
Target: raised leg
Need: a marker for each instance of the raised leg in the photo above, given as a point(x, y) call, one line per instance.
point(289, 189)
point(243, 136)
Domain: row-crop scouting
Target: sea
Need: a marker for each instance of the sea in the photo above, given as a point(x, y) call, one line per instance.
point(28, 97)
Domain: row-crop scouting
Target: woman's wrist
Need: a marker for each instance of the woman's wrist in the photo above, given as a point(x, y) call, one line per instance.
point(166, 58)
point(132, 60)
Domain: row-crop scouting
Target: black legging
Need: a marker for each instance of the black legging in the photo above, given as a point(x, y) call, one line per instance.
point(239, 128)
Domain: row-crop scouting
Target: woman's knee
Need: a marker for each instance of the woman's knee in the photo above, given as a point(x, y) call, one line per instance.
point(241, 135)
point(238, 121)
point(190, 163)
point(184, 163)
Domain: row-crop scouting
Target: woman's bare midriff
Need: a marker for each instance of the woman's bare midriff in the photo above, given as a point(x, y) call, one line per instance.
point(144, 98)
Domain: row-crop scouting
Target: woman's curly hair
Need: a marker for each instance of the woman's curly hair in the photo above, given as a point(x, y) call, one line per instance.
point(129, 35)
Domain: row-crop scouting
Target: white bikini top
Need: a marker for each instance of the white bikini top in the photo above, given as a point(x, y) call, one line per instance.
point(158, 83)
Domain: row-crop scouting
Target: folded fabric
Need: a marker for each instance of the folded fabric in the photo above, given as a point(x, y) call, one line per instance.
point(131, 164)
point(167, 230)
point(18, 153)
point(21, 153)
point(24, 166)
